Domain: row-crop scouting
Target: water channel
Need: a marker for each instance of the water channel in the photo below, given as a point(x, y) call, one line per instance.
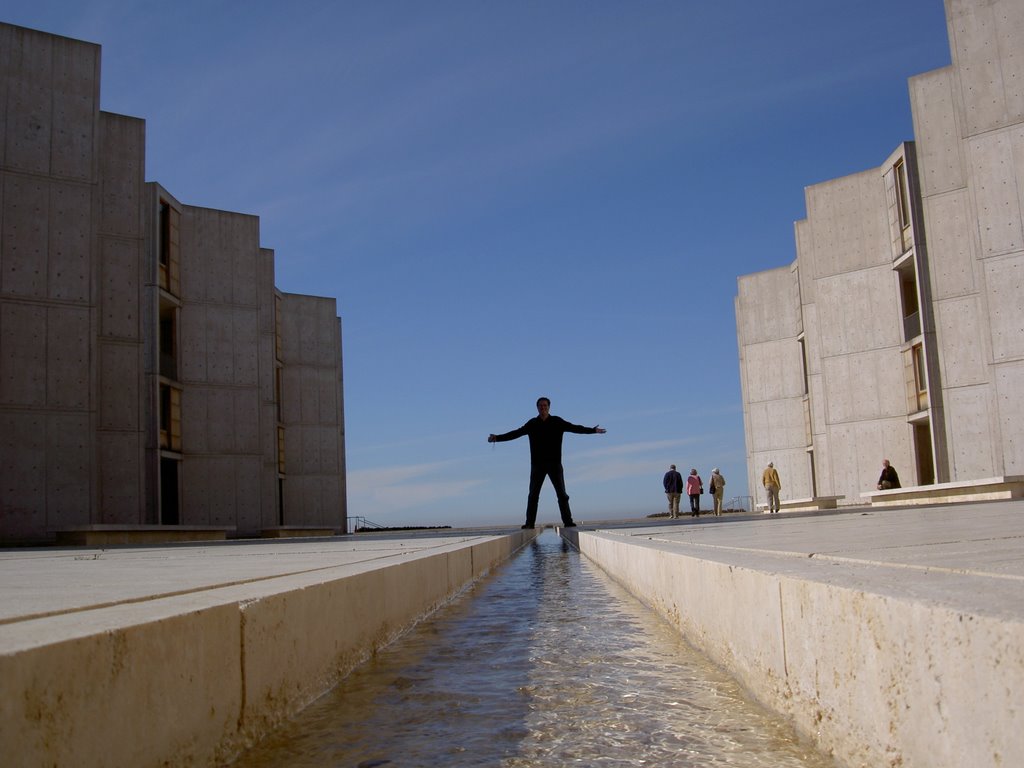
point(546, 662)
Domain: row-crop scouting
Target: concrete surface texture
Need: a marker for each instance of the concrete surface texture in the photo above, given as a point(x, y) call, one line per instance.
point(895, 333)
point(890, 637)
point(183, 655)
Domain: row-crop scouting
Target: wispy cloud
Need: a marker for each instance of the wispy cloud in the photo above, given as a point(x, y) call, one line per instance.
point(639, 459)
point(385, 490)
point(630, 449)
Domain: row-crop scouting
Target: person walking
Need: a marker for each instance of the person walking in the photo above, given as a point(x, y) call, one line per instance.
point(717, 488)
point(888, 479)
point(694, 488)
point(772, 486)
point(673, 482)
point(545, 432)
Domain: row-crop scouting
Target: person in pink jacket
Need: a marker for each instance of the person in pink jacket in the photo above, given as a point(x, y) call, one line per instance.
point(694, 488)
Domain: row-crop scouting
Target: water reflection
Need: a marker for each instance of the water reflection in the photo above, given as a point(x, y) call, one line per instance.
point(545, 663)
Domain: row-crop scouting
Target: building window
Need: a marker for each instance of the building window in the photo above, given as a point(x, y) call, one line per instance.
point(280, 450)
point(920, 375)
point(170, 513)
point(908, 302)
point(903, 202)
point(168, 225)
point(278, 373)
point(803, 362)
point(170, 418)
point(168, 332)
point(277, 328)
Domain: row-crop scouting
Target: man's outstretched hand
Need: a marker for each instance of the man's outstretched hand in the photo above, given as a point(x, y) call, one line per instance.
point(491, 438)
point(598, 430)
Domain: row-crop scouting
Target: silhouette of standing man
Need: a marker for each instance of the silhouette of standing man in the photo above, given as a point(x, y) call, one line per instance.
point(545, 432)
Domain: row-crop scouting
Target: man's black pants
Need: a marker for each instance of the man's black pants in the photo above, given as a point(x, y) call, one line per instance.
point(537, 474)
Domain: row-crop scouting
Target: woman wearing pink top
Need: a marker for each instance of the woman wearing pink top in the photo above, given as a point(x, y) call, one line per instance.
point(694, 488)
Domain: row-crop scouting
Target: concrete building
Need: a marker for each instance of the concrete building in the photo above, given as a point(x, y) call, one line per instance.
point(150, 372)
point(897, 332)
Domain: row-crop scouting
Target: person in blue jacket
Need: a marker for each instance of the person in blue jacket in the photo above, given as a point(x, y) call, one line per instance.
point(673, 482)
point(545, 432)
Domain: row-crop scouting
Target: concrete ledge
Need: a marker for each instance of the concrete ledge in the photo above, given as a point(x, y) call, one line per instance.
point(104, 535)
point(296, 532)
point(878, 665)
point(206, 672)
point(986, 489)
point(814, 504)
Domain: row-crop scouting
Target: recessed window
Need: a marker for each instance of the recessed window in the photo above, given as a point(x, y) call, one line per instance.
point(909, 306)
point(920, 376)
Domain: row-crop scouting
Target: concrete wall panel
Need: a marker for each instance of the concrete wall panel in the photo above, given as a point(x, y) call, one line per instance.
point(856, 312)
point(984, 38)
point(936, 108)
point(69, 242)
point(996, 190)
point(825, 478)
point(858, 449)
point(193, 420)
point(951, 233)
point(248, 495)
point(1004, 279)
point(245, 346)
point(23, 350)
point(970, 445)
point(220, 353)
point(122, 174)
point(120, 311)
point(68, 337)
point(777, 425)
point(25, 236)
point(68, 469)
point(120, 382)
point(197, 474)
point(267, 367)
point(769, 304)
point(849, 225)
point(310, 394)
point(1009, 380)
point(221, 490)
point(864, 387)
point(29, 114)
point(961, 355)
point(23, 455)
point(244, 236)
point(776, 370)
point(120, 477)
point(192, 340)
point(219, 420)
point(76, 78)
point(245, 426)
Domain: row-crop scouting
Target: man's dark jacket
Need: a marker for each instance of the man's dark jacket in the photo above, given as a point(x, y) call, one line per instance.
point(545, 438)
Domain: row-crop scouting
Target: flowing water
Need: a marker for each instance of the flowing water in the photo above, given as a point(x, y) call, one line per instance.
point(546, 662)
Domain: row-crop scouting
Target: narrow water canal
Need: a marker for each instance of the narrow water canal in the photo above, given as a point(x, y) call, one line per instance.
point(546, 662)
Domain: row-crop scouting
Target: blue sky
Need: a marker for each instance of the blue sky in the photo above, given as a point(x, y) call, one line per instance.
point(517, 199)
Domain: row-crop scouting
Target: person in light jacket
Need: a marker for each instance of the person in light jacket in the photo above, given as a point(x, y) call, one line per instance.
point(772, 486)
point(717, 489)
point(694, 488)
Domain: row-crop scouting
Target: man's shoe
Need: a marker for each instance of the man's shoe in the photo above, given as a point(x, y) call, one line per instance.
point(526, 527)
point(569, 525)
